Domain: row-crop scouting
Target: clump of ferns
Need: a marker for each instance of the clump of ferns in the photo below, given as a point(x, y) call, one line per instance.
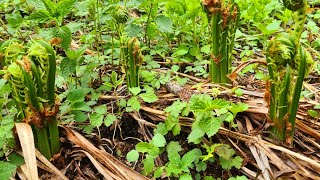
point(31, 73)
point(288, 64)
point(223, 17)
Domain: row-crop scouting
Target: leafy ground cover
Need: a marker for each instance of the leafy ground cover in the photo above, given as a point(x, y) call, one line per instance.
point(183, 89)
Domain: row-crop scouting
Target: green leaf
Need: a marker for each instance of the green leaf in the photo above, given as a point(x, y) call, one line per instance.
point(158, 140)
point(164, 24)
point(135, 90)
point(110, 119)
point(67, 67)
point(64, 33)
point(201, 166)
point(224, 151)
point(175, 68)
point(173, 146)
point(16, 159)
point(102, 109)
point(134, 103)
point(149, 97)
point(143, 147)
point(158, 172)
point(64, 7)
point(133, 156)
point(238, 178)
point(206, 49)
point(79, 116)
point(210, 125)
point(191, 157)
point(313, 113)
point(185, 177)
point(274, 26)
point(41, 16)
point(50, 6)
point(148, 164)
point(195, 135)
point(239, 107)
point(81, 106)
point(161, 128)
point(176, 108)
point(96, 119)
point(229, 163)
point(77, 95)
point(238, 92)
point(6, 170)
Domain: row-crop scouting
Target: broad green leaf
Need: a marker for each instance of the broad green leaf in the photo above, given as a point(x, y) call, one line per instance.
point(41, 16)
point(206, 49)
point(195, 135)
point(274, 26)
point(79, 116)
point(148, 164)
point(96, 119)
point(133, 156)
point(149, 97)
point(224, 151)
point(185, 177)
point(80, 106)
point(164, 24)
point(134, 103)
point(239, 107)
point(77, 95)
point(135, 90)
point(64, 7)
point(175, 68)
point(227, 164)
point(210, 125)
point(161, 128)
point(16, 159)
point(158, 140)
point(14, 19)
point(6, 170)
point(102, 109)
point(64, 33)
point(67, 67)
point(143, 147)
point(50, 6)
point(191, 157)
point(176, 129)
point(173, 146)
point(201, 166)
point(176, 108)
point(158, 172)
point(110, 119)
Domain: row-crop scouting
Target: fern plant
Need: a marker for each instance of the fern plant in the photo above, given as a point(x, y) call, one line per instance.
point(31, 74)
point(223, 17)
point(133, 60)
point(288, 65)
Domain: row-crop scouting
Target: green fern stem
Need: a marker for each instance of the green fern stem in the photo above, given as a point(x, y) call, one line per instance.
point(52, 121)
point(133, 61)
point(223, 17)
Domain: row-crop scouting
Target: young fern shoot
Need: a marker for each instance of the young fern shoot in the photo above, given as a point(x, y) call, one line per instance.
point(223, 17)
point(288, 65)
point(31, 74)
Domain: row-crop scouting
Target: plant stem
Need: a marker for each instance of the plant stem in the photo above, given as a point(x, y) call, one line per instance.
point(297, 90)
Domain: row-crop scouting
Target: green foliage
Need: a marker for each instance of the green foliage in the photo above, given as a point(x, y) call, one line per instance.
point(6, 170)
point(288, 64)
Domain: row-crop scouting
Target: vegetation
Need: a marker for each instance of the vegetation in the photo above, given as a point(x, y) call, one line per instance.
point(183, 89)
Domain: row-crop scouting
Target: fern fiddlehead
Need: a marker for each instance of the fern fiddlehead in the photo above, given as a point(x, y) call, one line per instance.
point(288, 65)
point(223, 17)
point(31, 73)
